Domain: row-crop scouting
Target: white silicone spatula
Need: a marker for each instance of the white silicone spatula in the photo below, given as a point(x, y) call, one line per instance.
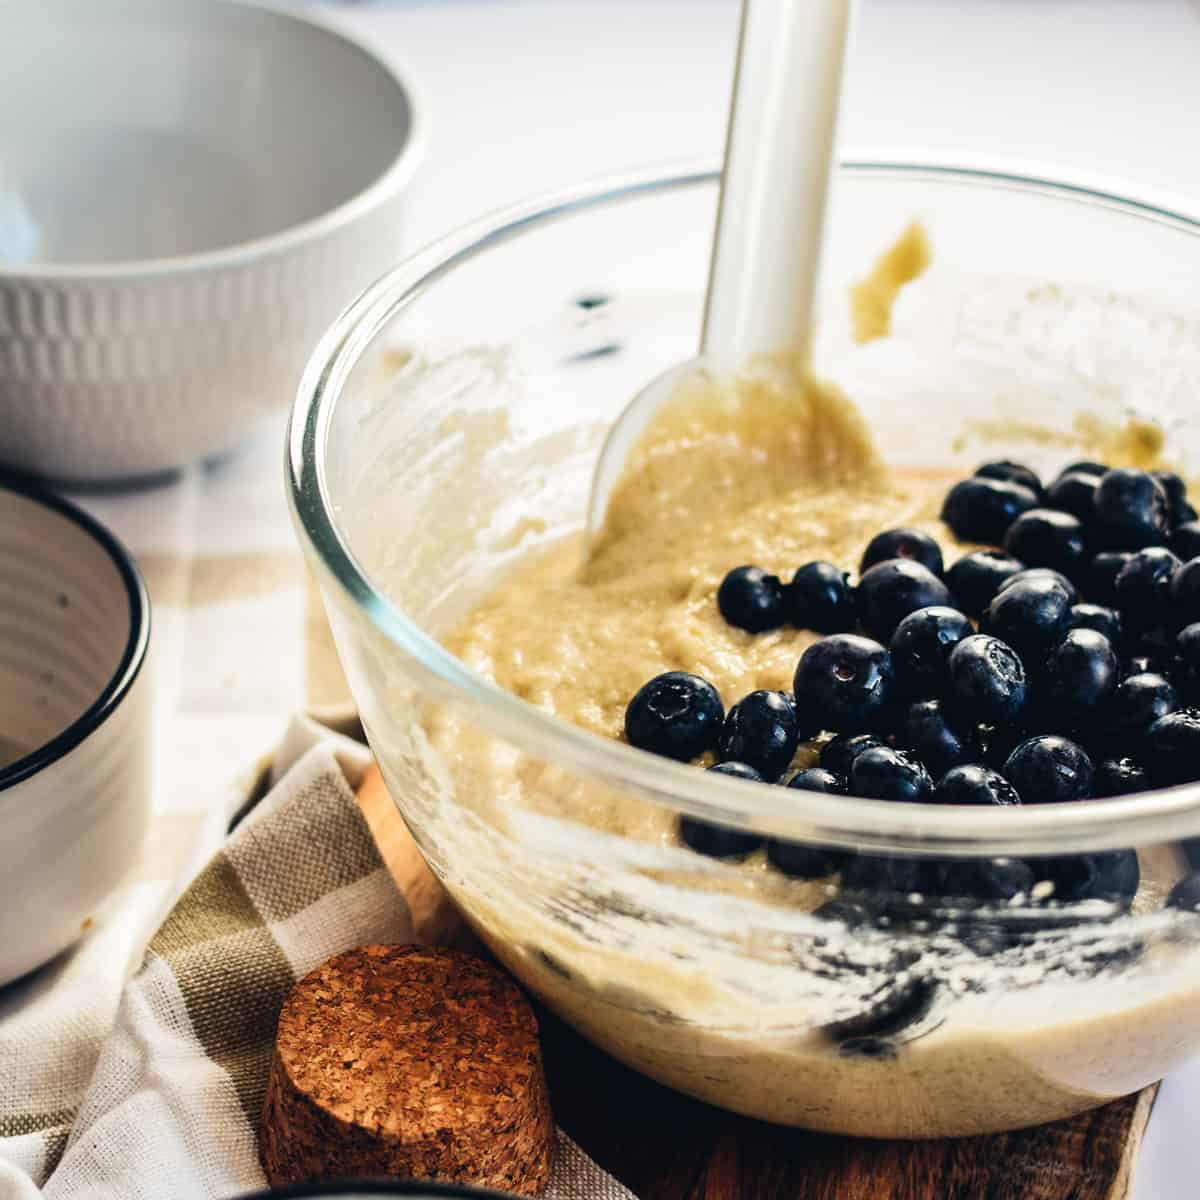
point(767, 247)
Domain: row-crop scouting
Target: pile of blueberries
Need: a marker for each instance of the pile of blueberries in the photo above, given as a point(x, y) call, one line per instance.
point(1061, 664)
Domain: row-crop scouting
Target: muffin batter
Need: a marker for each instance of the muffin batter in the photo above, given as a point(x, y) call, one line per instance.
point(778, 475)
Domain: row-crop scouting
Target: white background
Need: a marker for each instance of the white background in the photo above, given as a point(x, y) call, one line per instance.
point(522, 95)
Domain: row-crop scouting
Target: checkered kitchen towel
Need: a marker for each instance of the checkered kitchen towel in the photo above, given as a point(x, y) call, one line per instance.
point(173, 1103)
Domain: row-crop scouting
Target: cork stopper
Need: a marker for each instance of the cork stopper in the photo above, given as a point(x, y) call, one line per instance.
point(408, 1061)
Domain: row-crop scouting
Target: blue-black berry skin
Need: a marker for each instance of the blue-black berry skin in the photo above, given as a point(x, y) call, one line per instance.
point(1121, 777)
point(1185, 895)
point(921, 648)
point(1045, 537)
point(1075, 493)
point(818, 779)
point(1132, 510)
point(799, 861)
point(903, 543)
point(1080, 674)
point(676, 715)
point(820, 598)
point(1086, 466)
point(762, 730)
point(1185, 595)
point(838, 755)
point(1185, 666)
point(1177, 497)
point(1172, 751)
point(1048, 769)
point(847, 680)
point(925, 728)
point(882, 773)
point(1100, 579)
point(1031, 615)
point(1095, 616)
point(1137, 703)
point(718, 841)
point(975, 578)
point(981, 510)
point(987, 682)
point(1185, 541)
point(891, 590)
point(1043, 573)
point(752, 599)
point(1012, 472)
point(975, 784)
point(1112, 875)
point(996, 879)
point(1144, 587)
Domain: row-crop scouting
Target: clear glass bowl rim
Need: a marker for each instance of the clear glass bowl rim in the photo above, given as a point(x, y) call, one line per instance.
point(1146, 819)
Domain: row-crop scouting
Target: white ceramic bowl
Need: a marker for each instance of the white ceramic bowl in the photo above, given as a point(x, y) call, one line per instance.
point(189, 191)
point(75, 722)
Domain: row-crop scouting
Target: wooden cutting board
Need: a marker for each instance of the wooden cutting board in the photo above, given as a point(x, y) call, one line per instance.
point(664, 1146)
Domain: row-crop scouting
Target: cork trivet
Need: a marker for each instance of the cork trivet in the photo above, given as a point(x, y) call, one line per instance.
point(408, 1061)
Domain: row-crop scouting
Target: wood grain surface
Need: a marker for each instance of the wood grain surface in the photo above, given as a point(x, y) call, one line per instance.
point(664, 1146)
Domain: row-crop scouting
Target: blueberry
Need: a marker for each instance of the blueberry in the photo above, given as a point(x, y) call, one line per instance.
point(882, 875)
point(1185, 668)
point(981, 510)
point(1080, 674)
point(1177, 497)
point(1131, 510)
point(975, 784)
point(1144, 587)
point(799, 861)
point(1112, 876)
point(987, 680)
point(752, 600)
point(1049, 770)
point(1085, 466)
point(1185, 594)
point(976, 578)
point(1075, 493)
point(737, 770)
point(818, 779)
point(1185, 895)
point(1103, 620)
point(1137, 703)
point(1121, 777)
point(1185, 541)
point(924, 729)
point(901, 1004)
point(762, 729)
point(1011, 472)
point(1031, 615)
point(1172, 751)
point(1001, 879)
point(903, 543)
point(676, 715)
point(921, 647)
point(1044, 537)
point(882, 773)
point(820, 598)
point(846, 679)
point(1100, 580)
point(891, 590)
point(1042, 573)
point(853, 914)
point(718, 841)
point(838, 755)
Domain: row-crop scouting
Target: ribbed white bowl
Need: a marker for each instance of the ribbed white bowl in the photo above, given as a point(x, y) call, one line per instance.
point(75, 722)
point(180, 223)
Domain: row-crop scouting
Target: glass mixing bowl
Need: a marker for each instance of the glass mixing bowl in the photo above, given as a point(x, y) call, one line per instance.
point(447, 427)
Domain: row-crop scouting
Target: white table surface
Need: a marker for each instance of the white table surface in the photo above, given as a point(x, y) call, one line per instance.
point(522, 95)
